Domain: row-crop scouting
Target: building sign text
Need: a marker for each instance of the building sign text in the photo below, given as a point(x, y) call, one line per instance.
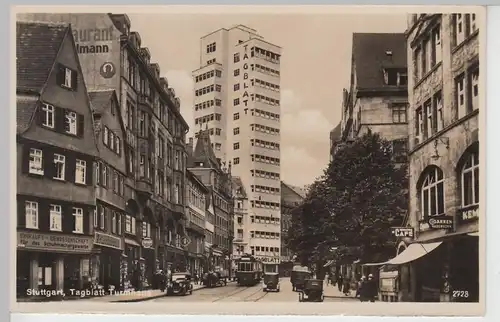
point(54, 242)
point(441, 222)
point(92, 36)
point(402, 231)
point(469, 214)
point(269, 260)
point(106, 240)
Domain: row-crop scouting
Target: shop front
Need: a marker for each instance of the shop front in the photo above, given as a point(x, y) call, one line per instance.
point(108, 261)
point(148, 253)
point(134, 265)
point(52, 262)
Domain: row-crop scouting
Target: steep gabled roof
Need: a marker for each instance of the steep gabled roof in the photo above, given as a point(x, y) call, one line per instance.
point(238, 188)
point(336, 133)
point(297, 190)
point(100, 100)
point(203, 151)
point(25, 111)
point(370, 57)
point(37, 46)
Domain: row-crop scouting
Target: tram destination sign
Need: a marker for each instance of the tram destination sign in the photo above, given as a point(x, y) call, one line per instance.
point(403, 231)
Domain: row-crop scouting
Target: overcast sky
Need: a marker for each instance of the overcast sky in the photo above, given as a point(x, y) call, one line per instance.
point(315, 67)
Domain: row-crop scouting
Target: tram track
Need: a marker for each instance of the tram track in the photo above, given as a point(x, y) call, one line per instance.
point(247, 298)
point(224, 296)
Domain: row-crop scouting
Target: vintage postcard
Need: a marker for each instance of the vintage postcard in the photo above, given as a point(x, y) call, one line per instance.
point(249, 160)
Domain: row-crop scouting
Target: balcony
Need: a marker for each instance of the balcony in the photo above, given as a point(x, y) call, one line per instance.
point(144, 99)
point(144, 186)
point(179, 211)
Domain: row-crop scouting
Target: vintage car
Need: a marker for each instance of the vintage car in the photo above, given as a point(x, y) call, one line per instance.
point(214, 279)
point(180, 284)
point(312, 291)
point(271, 282)
point(298, 276)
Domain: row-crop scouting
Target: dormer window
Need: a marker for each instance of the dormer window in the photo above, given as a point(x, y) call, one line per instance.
point(66, 77)
point(394, 77)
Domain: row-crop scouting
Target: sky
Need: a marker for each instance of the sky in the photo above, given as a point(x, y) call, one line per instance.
point(315, 67)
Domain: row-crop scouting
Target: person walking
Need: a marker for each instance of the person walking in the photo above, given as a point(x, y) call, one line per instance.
point(360, 285)
point(371, 289)
point(340, 282)
point(347, 286)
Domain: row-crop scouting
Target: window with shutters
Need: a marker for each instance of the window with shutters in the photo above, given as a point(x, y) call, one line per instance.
point(35, 161)
point(70, 124)
point(59, 166)
point(67, 77)
point(48, 119)
point(31, 209)
point(80, 171)
point(78, 216)
point(55, 218)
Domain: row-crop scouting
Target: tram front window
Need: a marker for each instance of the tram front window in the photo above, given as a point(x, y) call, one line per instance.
point(245, 267)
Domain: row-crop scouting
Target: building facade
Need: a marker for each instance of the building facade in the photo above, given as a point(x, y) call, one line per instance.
point(154, 146)
point(377, 99)
point(237, 97)
point(56, 150)
point(108, 261)
point(291, 197)
point(196, 195)
point(241, 240)
point(444, 157)
point(219, 201)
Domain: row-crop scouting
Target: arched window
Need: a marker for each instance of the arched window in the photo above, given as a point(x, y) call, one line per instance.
point(470, 180)
point(432, 193)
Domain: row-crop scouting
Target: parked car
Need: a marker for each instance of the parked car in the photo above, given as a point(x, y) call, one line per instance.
point(180, 284)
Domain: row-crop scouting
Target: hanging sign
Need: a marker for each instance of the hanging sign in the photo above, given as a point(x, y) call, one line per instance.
point(403, 231)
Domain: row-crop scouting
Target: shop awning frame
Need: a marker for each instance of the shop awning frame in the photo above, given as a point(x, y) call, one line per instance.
point(413, 252)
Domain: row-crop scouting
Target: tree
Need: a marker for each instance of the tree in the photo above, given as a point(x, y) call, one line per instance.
point(362, 194)
point(367, 196)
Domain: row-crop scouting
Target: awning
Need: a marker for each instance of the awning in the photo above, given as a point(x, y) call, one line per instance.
point(329, 263)
point(413, 252)
point(476, 234)
point(131, 242)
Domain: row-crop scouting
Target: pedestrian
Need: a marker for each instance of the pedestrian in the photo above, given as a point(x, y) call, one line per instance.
point(372, 288)
point(361, 283)
point(347, 286)
point(340, 282)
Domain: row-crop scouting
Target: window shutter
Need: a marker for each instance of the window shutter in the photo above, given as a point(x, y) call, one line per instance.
point(86, 219)
point(89, 172)
point(43, 215)
point(61, 71)
point(21, 212)
point(40, 115)
point(25, 162)
point(49, 169)
point(74, 79)
point(59, 119)
point(70, 167)
point(80, 125)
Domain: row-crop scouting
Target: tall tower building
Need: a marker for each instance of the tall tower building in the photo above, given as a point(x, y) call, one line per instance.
point(237, 98)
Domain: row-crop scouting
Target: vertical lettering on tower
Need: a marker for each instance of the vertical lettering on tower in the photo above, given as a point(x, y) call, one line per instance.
point(245, 74)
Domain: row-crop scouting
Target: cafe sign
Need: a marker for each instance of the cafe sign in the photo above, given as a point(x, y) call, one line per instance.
point(403, 232)
point(269, 260)
point(54, 242)
point(440, 222)
point(107, 240)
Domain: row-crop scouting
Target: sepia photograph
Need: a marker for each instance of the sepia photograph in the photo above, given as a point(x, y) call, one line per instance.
point(199, 159)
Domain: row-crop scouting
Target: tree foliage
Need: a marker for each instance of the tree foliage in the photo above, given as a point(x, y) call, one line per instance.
point(362, 194)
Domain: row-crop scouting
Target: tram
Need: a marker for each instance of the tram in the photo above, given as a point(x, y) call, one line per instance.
point(248, 270)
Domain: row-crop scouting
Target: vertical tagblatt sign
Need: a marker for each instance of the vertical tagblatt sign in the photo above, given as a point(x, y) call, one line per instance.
point(245, 76)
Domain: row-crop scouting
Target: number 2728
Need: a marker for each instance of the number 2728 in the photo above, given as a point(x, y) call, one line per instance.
point(464, 294)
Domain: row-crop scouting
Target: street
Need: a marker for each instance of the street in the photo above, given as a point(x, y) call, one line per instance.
point(234, 293)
